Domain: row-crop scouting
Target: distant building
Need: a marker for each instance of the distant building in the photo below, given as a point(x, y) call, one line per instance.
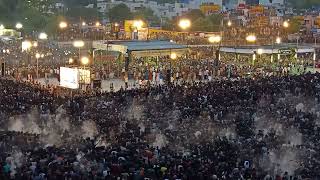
point(271, 2)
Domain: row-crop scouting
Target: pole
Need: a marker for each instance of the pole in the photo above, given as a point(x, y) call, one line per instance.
point(37, 68)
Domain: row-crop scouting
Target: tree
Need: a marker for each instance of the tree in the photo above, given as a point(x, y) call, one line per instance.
point(83, 13)
point(79, 3)
point(147, 15)
point(304, 4)
point(194, 14)
point(294, 27)
point(120, 13)
point(209, 23)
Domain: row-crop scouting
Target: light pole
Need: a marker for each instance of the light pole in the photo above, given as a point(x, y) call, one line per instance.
point(26, 46)
point(184, 24)
point(252, 39)
point(78, 44)
point(38, 56)
point(84, 61)
point(43, 36)
point(285, 25)
point(63, 25)
point(138, 24)
point(213, 39)
point(19, 26)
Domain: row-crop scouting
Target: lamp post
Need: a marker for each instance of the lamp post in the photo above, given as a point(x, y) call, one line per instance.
point(63, 25)
point(26, 46)
point(43, 36)
point(184, 24)
point(78, 44)
point(252, 39)
point(38, 56)
point(6, 52)
point(285, 25)
point(213, 40)
point(138, 24)
point(84, 61)
point(19, 26)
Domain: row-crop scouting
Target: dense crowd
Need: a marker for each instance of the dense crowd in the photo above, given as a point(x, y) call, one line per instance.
point(265, 128)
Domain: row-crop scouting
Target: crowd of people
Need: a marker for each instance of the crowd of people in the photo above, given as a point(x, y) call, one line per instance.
point(263, 128)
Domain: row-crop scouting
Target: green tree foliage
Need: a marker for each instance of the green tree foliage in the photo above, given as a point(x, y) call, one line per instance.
point(30, 13)
point(294, 27)
point(120, 13)
point(209, 23)
point(194, 14)
point(304, 3)
point(79, 3)
point(87, 14)
point(147, 15)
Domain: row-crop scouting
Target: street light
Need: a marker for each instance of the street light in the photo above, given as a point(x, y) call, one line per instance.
point(173, 56)
point(43, 36)
point(84, 24)
point(2, 27)
point(138, 24)
point(286, 24)
point(229, 23)
point(278, 40)
point(26, 45)
point(260, 51)
point(251, 38)
point(214, 39)
point(71, 61)
point(184, 24)
point(78, 44)
point(35, 44)
point(38, 56)
point(84, 61)
point(98, 24)
point(63, 25)
point(19, 26)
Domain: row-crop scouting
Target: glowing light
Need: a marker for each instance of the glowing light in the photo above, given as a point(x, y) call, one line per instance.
point(38, 55)
point(286, 24)
point(260, 51)
point(35, 44)
point(26, 45)
point(138, 24)
point(78, 44)
point(251, 38)
point(278, 40)
point(63, 25)
point(184, 24)
point(71, 60)
point(19, 26)
point(43, 36)
point(229, 23)
point(173, 56)
point(84, 60)
point(214, 39)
